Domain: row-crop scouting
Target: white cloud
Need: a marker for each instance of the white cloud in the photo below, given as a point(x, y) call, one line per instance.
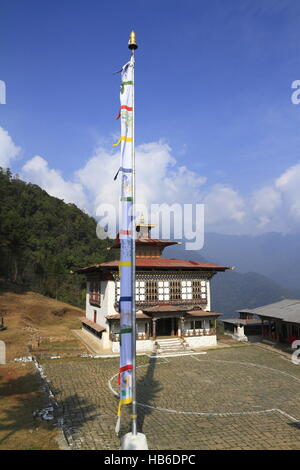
point(276, 207)
point(8, 150)
point(289, 186)
point(266, 202)
point(223, 203)
point(160, 180)
point(97, 178)
point(37, 171)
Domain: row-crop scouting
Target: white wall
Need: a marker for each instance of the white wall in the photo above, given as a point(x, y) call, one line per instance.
point(107, 304)
point(141, 345)
point(201, 341)
point(208, 305)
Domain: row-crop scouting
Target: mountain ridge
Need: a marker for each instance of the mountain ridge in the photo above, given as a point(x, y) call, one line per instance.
point(234, 290)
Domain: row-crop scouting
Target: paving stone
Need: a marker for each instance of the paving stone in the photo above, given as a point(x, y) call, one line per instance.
point(241, 381)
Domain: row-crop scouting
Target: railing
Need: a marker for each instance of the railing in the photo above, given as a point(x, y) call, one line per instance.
point(200, 332)
point(115, 337)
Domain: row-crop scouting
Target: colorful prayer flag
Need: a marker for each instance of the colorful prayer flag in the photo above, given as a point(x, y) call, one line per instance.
point(125, 233)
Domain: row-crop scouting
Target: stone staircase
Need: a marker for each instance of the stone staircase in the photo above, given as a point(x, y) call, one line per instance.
point(171, 346)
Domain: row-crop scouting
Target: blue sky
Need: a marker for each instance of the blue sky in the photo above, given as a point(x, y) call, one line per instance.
point(213, 87)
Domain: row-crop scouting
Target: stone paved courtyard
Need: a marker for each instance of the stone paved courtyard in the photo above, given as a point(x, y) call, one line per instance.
point(234, 398)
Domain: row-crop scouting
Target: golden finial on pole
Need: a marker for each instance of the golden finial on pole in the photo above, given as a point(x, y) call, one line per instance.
point(132, 41)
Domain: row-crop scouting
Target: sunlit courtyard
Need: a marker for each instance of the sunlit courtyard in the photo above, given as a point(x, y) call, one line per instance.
point(235, 398)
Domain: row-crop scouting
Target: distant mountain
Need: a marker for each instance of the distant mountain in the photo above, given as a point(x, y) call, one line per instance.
point(272, 254)
point(234, 290)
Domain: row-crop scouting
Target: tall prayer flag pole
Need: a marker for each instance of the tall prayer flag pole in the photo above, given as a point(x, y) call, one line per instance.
point(132, 45)
point(127, 264)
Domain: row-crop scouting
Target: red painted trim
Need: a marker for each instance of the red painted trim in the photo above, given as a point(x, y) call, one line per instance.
point(128, 108)
point(123, 369)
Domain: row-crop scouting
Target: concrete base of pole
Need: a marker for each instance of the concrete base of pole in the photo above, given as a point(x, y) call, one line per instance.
point(134, 442)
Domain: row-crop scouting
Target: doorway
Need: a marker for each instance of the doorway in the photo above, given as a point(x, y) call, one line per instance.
point(166, 327)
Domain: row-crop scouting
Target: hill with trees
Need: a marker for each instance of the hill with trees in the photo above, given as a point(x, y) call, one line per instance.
point(43, 241)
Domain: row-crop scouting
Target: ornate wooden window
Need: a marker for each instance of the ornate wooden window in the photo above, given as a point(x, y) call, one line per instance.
point(175, 290)
point(118, 290)
point(95, 293)
point(172, 290)
point(163, 290)
point(186, 290)
point(199, 290)
point(151, 291)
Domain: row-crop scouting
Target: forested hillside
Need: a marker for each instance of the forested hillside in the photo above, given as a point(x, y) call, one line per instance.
point(43, 239)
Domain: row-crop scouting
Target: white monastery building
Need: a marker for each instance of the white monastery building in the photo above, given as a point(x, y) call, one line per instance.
point(173, 299)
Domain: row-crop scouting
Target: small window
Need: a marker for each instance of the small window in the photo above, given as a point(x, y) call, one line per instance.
point(118, 289)
point(186, 290)
point(163, 290)
point(199, 290)
point(151, 291)
point(95, 292)
point(175, 289)
point(140, 291)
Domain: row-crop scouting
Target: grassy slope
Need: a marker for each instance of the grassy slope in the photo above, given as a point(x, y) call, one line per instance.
point(30, 316)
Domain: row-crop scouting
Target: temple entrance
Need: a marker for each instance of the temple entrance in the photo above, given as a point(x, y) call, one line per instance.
point(166, 327)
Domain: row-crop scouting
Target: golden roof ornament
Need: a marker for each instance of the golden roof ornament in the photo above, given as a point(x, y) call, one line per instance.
point(132, 41)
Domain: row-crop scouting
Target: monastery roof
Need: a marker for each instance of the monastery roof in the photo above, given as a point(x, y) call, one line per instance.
point(201, 313)
point(242, 321)
point(287, 310)
point(148, 241)
point(116, 316)
point(166, 308)
point(160, 308)
point(158, 263)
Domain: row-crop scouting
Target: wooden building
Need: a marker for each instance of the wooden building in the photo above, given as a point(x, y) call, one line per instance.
point(280, 321)
point(173, 297)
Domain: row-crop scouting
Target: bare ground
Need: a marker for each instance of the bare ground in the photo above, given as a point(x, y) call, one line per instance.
point(40, 326)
